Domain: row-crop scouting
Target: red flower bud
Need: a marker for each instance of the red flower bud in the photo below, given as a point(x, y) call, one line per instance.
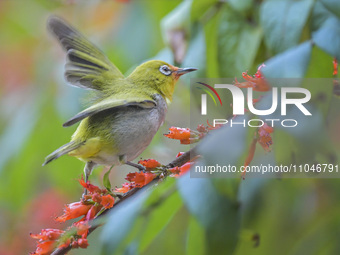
point(73, 211)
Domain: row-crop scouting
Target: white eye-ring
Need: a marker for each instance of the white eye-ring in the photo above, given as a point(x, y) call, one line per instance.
point(165, 70)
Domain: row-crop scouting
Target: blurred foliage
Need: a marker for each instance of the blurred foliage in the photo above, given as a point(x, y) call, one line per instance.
point(295, 39)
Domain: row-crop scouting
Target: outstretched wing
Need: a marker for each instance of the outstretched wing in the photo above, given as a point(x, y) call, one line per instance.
point(110, 103)
point(87, 66)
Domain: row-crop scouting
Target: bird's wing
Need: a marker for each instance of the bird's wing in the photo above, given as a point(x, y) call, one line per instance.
point(87, 66)
point(110, 103)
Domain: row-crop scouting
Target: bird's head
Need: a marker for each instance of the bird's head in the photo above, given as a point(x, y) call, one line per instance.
point(158, 75)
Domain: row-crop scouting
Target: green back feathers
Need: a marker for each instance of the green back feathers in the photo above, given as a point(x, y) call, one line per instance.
point(87, 66)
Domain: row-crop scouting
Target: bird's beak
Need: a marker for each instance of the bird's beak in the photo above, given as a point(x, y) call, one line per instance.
point(181, 71)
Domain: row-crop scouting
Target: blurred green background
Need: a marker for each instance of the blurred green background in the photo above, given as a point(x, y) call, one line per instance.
point(295, 39)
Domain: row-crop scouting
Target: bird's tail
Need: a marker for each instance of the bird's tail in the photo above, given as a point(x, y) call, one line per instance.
point(66, 148)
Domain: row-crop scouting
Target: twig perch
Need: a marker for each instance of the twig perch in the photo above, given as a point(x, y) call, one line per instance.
point(177, 162)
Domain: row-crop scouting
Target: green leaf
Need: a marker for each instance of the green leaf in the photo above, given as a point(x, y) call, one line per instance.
point(238, 42)
point(196, 238)
point(321, 89)
point(159, 209)
point(172, 239)
point(319, 15)
point(283, 22)
point(158, 219)
point(301, 144)
point(199, 7)
point(321, 65)
point(196, 55)
point(241, 5)
point(120, 222)
point(41, 137)
point(292, 63)
point(328, 36)
point(333, 6)
point(211, 41)
point(106, 179)
point(218, 215)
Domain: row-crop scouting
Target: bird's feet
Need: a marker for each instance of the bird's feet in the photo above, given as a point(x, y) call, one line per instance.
point(83, 196)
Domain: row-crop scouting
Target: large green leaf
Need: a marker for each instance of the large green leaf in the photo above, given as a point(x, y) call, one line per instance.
point(23, 172)
point(196, 238)
point(172, 239)
point(218, 215)
point(163, 204)
point(321, 89)
point(196, 56)
point(333, 6)
point(238, 42)
point(307, 143)
point(211, 40)
point(283, 22)
point(141, 219)
point(241, 5)
point(199, 7)
point(321, 65)
point(120, 222)
point(328, 36)
point(292, 63)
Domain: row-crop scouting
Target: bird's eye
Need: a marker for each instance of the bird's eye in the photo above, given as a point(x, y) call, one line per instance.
point(165, 70)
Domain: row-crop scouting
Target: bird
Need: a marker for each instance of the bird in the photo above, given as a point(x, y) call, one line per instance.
point(125, 112)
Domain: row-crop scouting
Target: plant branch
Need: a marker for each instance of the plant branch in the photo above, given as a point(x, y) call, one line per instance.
point(185, 157)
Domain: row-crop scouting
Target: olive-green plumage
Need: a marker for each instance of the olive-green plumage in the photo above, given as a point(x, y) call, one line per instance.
point(127, 111)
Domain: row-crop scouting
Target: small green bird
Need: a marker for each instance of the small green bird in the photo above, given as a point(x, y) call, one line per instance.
point(127, 111)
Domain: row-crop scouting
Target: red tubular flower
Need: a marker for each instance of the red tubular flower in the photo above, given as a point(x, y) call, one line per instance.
point(185, 168)
point(90, 187)
point(149, 177)
point(211, 127)
point(48, 234)
point(47, 240)
point(125, 188)
point(178, 133)
point(335, 66)
point(45, 248)
point(175, 170)
point(186, 135)
point(96, 198)
point(256, 100)
point(202, 129)
point(130, 176)
point(107, 201)
point(179, 171)
point(149, 163)
point(140, 179)
point(265, 129)
point(264, 137)
point(179, 154)
point(258, 82)
point(190, 140)
point(91, 214)
point(73, 211)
